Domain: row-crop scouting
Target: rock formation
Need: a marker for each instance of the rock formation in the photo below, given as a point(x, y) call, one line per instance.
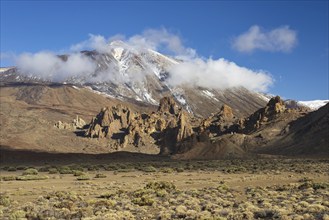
point(111, 121)
point(170, 129)
point(168, 104)
point(219, 123)
point(167, 128)
point(273, 109)
point(77, 123)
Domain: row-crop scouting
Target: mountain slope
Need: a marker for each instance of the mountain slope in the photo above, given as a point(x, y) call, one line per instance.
point(128, 74)
point(307, 135)
point(28, 113)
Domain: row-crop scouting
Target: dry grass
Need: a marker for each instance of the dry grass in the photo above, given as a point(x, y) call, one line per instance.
point(254, 189)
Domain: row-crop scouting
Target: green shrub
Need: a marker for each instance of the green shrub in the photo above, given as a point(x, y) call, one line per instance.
point(127, 170)
point(111, 167)
point(180, 169)
point(143, 201)
point(44, 169)
point(148, 169)
point(76, 167)
point(52, 171)
point(5, 168)
point(22, 168)
point(12, 169)
point(78, 173)
point(92, 167)
point(4, 200)
point(167, 170)
point(30, 171)
point(83, 177)
point(107, 195)
point(19, 214)
point(8, 178)
point(31, 177)
point(65, 170)
point(161, 185)
point(100, 175)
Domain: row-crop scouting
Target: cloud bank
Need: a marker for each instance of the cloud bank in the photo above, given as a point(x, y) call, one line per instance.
point(219, 73)
point(48, 66)
point(194, 70)
point(281, 39)
point(154, 39)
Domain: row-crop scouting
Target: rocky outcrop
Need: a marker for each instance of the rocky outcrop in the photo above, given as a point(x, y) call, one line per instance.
point(170, 129)
point(184, 127)
point(273, 109)
point(111, 121)
point(168, 105)
point(178, 135)
point(219, 123)
point(77, 123)
point(166, 128)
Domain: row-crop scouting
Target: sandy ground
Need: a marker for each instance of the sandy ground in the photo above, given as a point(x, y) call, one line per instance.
point(29, 190)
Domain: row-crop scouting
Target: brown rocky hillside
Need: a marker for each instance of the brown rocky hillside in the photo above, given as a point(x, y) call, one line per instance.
point(69, 119)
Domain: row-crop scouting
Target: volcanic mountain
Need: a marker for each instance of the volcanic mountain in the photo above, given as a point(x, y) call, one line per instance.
point(116, 108)
point(129, 74)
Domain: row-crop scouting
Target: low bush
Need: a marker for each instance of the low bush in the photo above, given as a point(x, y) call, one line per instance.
point(167, 170)
point(65, 170)
point(111, 167)
point(83, 177)
point(145, 200)
point(22, 168)
point(31, 177)
point(4, 200)
point(8, 178)
point(12, 169)
point(161, 185)
point(30, 171)
point(148, 169)
point(44, 169)
point(100, 175)
point(79, 173)
point(52, 171)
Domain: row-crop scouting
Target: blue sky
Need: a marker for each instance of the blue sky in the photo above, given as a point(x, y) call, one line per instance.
point(299, 70)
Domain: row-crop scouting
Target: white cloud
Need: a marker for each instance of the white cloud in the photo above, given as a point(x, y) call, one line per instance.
point(162, 40)
point(95, 42)
point(218, 74)
point(47, 65)
point(193, 71)
point(281, 39)
point(156, 39)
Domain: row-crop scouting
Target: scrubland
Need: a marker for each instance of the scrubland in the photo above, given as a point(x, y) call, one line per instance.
point(220, 189)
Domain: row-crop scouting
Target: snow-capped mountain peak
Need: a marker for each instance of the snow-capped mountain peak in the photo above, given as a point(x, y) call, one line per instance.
point(140, 74)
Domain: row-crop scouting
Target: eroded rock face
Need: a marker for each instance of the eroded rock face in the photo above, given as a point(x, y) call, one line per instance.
point(168, 104)
point(184, 127)
point(178, 132)
point(220, 122)
point(167, 127)
point(171, 131)
point(110, 121)
point(273, 108)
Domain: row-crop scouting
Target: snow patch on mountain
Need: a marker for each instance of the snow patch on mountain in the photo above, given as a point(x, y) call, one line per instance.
point(209, 94)
point(178, 93)
point(314, 104)
point(102, 93)
point(265, 97)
